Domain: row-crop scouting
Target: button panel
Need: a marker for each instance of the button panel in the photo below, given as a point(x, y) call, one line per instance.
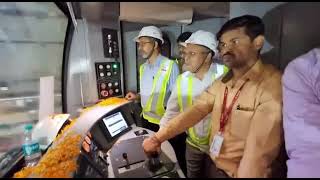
point(108, 79)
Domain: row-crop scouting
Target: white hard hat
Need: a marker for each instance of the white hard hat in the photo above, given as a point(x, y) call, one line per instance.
point(204, 38)
point(150, 31)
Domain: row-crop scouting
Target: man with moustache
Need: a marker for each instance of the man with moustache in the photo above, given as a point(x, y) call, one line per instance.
point(201, 70)
point(245, 106)
point(180, 41)
point(157, 76)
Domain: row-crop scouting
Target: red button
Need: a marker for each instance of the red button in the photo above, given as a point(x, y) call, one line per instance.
point(104, 93)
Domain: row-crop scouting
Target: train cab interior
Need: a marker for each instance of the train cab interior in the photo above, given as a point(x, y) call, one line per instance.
point(66, 68)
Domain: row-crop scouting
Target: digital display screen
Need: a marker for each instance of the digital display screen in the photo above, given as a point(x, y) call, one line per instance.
point(115, 123)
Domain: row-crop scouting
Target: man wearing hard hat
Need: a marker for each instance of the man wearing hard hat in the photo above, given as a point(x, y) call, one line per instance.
point(180, 40)
point(157, 76)
point(201, 71)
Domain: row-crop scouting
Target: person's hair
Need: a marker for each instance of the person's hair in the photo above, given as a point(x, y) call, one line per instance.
point(184, 36)
point(253, 26)
point(159, 42)
point(209, 51)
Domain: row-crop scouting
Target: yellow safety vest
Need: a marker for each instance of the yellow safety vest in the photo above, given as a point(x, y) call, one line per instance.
point(154, 109)
point(178, 61)
point(194, 139)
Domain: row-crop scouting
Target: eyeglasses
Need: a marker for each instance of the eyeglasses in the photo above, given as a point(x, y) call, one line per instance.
point(141, 43)
point(192, 54)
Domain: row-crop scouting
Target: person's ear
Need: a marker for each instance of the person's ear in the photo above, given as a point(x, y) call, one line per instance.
point(258, 42)
point(209, 57)
point(156, 45)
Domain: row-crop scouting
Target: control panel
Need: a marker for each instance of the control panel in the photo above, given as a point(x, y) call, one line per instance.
point(108, 79)
point(110, 43)
point(112, 148)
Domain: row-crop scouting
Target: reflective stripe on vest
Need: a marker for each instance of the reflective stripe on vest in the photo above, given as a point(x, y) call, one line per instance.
point(184, 101)
point(221, 70)
point(154, 109)
point(184, 83)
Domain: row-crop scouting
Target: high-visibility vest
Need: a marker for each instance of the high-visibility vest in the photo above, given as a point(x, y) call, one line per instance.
point(178, 61)
point(154, 108)
point(198, 135)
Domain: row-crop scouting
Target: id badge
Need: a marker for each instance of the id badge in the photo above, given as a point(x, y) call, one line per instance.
point(216, 144)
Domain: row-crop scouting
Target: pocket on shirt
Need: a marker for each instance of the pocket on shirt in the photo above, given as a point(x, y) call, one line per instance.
point(240, 123)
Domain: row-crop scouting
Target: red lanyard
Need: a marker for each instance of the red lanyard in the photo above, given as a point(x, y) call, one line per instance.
point(226, 111)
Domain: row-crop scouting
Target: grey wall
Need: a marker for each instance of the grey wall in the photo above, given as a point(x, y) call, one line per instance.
point(212, 25)
point(173, 31)
point(129, 58)
point(292, 29)
point(300, 30)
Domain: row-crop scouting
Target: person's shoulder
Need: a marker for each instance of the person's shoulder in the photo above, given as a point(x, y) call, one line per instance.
point(168, 60)
point(185, 74)
point(143, 64)
point(271, 84)
point(304, 64)
point(271, 72)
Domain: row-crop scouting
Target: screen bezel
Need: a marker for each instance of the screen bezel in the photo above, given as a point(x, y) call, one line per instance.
point(105, 129)
point(111, 116)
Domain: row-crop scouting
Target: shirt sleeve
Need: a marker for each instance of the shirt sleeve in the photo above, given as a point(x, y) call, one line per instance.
point(265, 134)
point(194, 114)
point(173, 76)
point(172, 108)
point(316, 74)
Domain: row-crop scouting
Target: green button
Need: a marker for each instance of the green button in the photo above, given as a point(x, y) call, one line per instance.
point(115, 66)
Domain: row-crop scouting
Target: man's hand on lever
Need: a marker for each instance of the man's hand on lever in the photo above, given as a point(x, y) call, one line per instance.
point(151, 146)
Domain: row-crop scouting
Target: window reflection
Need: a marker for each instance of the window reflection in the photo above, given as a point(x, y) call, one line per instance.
point(31, 46)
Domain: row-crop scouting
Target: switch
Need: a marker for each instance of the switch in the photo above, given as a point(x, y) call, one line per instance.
point(110, 84)
point(116, 84)
point(108, 66)
point(115, 66)
point(101, 74)
point(110, 92)
point(108, 73)
point(100, 67)
point(117, 90)
point(124, 155)
point(103, 85)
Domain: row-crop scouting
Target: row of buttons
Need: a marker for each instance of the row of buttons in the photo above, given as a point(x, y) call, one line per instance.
point(103, 85)
point(108, 66)
point(108, 74)
point(106, 93)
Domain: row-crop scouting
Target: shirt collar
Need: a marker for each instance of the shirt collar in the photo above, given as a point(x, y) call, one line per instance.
point(157, 62)
point(253, 74)
point(208, 75)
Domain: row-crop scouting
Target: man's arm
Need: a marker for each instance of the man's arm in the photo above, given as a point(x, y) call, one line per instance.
point(265, 134)
point(201, 108)
point(172, 108)
point(173, 76)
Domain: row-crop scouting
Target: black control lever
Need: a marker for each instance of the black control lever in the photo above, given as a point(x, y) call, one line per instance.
point(153, 162)
point(125, 157)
